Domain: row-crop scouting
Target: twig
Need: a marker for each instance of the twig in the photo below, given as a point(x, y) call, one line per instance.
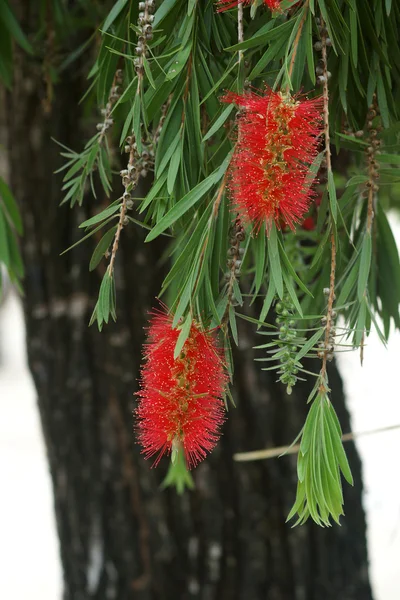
point(279, 450)
point(240, 29)
point(136, 167)
point(113, 96)
point(331, 297)
point(236, 237)
point(372, 186)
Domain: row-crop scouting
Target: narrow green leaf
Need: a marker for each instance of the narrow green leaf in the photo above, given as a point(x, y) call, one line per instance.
point(274, 260)
point(148, 72)
point(309, 344)
point(11, 206)
point(101, 216)
point(179, 62)
point(11, 23)
point(183, 335)
point(219, 122)
point(102, 248)
point(137, 113)
point(113, 14)
point(332, 195)
point(232, 323)
point(333, 424)
point(181, 207)
point(267, 303)
point(365, 265)
point(105, 296)
point(4, 251)
point(173, 168)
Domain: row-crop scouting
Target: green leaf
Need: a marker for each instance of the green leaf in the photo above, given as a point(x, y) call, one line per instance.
point(354, 36)
point(332, 195)
point(365, 265)
point(232, 323)
point(16, 265)
point(183, 335)
point(260, 252)
point(104, 297)
point(388, 158)
point(102, 248)
point(137, 112)
point(219, 122)
point(11, 23)
point(310, 344)
point(308, 430)
point(382, 100)
point(274, 260)
point(185, 204)
point(179, 62)
point(148, 72)
point(267, 303)
point(113, 14)
point(110, 210)
point(163, 10)
point(260, 39)
point(360, 322)
point(11, 206)
point(173, 168)
point(4, 251)
point(336, 433)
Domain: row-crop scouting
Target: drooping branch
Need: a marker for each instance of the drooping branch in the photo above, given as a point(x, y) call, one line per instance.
point(330, 314)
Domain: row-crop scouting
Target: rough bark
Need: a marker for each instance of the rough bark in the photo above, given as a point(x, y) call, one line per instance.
point(120, 536)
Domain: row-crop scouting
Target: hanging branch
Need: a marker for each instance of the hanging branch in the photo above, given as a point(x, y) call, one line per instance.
point(136, 166)
point(114, 95)
point(330, 314)
point(372, 188)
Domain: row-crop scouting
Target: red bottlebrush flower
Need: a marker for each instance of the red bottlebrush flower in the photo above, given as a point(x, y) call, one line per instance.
point(270, 179)
point(180, 399)
point(227, 4)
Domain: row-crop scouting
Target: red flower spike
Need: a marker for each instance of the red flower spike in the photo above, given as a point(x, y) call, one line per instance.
point(269, 174)
point(227, 4)
point(180, 399)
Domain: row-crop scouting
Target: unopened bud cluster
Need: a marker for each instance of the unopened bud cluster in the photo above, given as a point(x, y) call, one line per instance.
point(288, 344)
point(115, 93)
point(327, 347)
point(373, 128)
point(146, 18)
point(137, 167)
point(322, 76)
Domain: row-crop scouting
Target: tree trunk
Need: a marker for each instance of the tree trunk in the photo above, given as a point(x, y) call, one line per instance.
point(120, 535)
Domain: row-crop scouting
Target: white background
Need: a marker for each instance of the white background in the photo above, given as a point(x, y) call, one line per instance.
point(28, 543)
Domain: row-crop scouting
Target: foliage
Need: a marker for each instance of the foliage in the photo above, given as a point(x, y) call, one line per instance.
point(174, 63)
point(10, 229)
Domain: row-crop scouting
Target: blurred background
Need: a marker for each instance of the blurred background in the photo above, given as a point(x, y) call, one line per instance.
point(27, 524)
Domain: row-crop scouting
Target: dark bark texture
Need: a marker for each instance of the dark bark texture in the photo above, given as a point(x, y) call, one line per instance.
point(121, 536)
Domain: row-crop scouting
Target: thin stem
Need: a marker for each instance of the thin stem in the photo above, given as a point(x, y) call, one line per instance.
point(372, 186)
point(131, 175)
point(331, 296)
point(240, 29)
point(111, 100)
point(236, 237)
point(279, 450)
